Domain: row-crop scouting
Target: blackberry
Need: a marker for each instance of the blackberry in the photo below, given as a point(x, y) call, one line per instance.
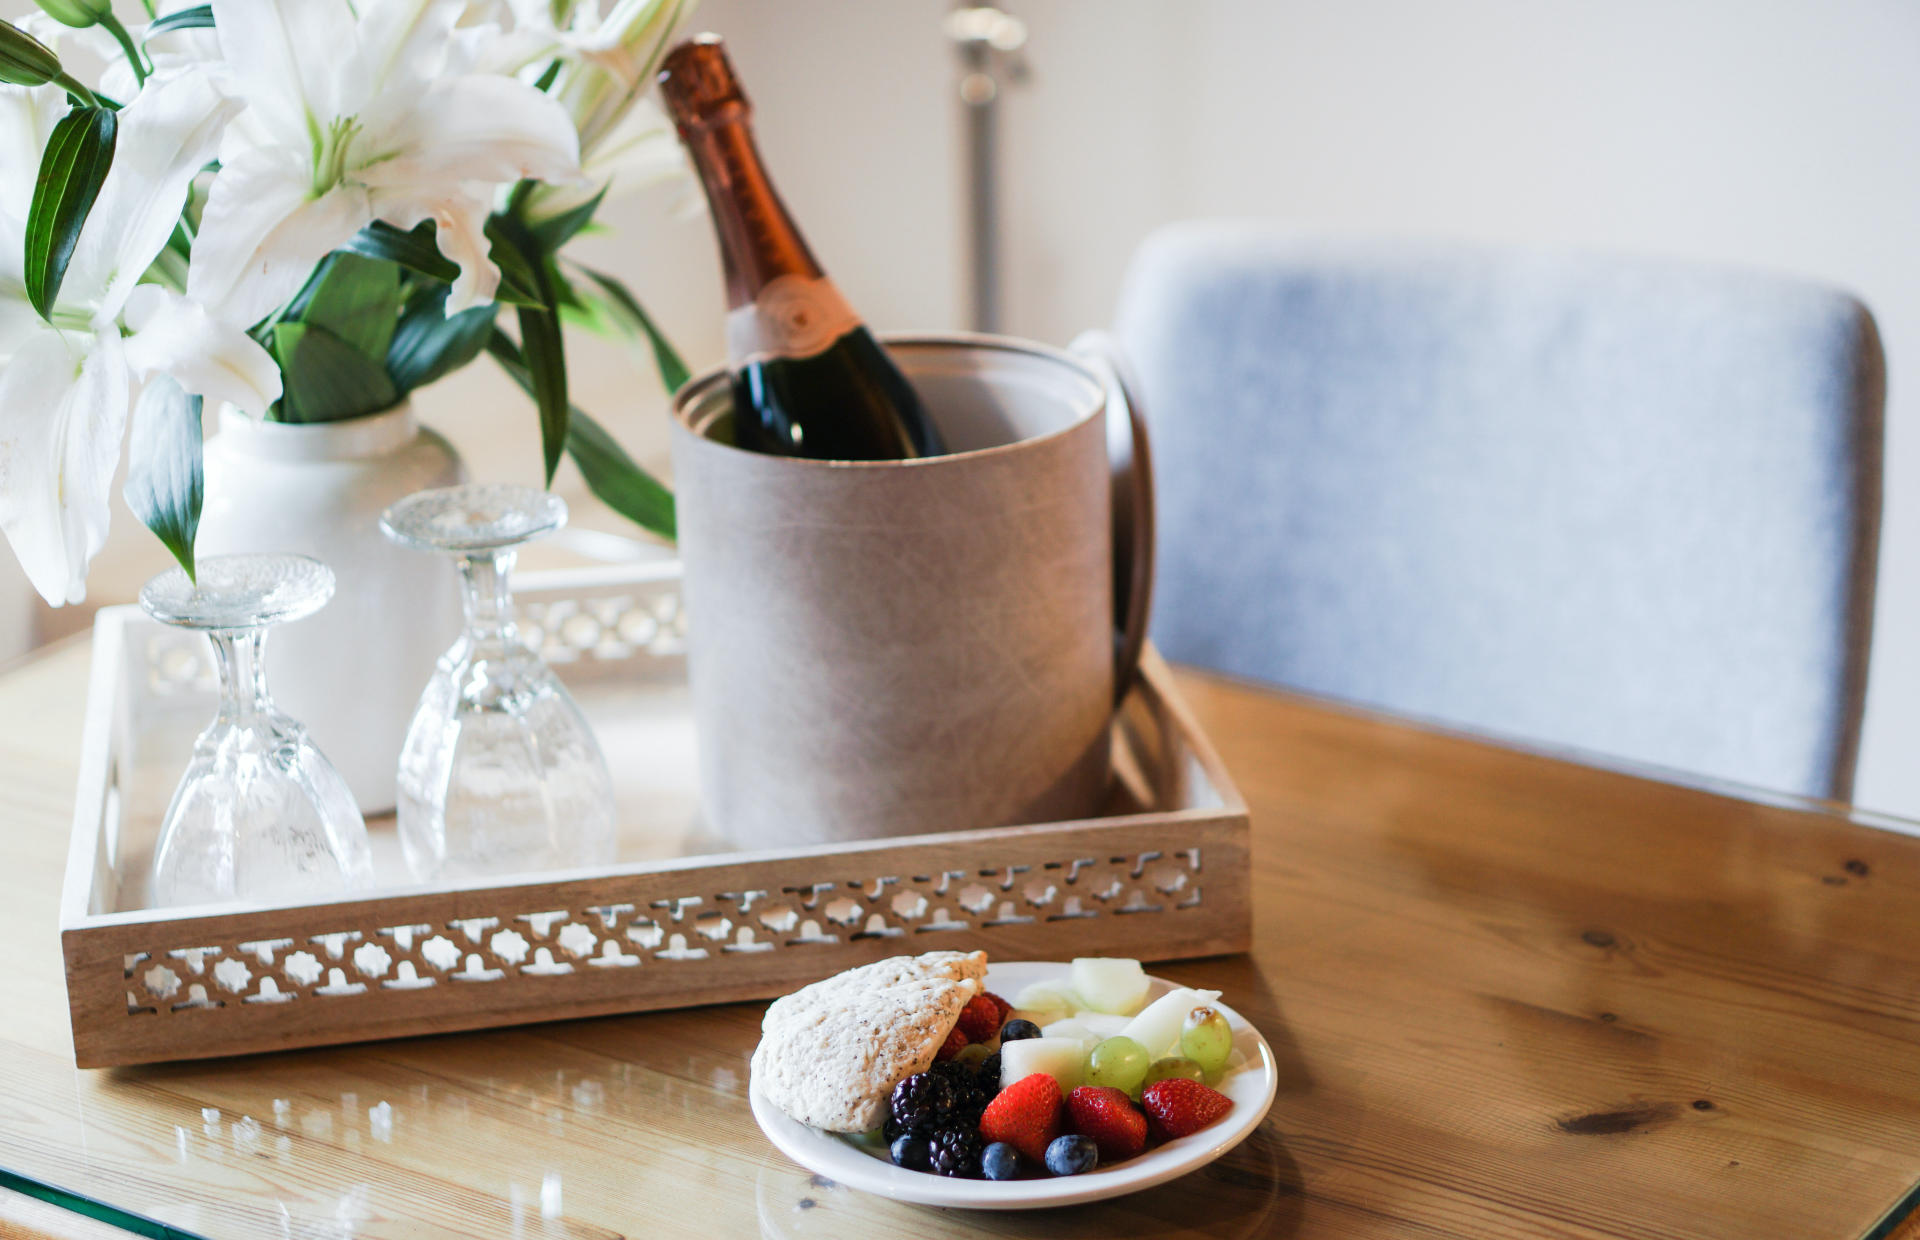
point(971, 1091)
point(989, 1073)
point(955, 1152)
point(969, 1100)
point(920, 1103)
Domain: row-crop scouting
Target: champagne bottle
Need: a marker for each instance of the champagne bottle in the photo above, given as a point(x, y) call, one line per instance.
point(809, 379)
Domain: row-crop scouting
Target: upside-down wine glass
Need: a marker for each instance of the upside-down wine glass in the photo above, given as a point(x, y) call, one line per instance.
point(500, 773)
point(260, 814)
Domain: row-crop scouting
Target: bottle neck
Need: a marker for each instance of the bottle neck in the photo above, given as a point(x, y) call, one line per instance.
point(758, 240)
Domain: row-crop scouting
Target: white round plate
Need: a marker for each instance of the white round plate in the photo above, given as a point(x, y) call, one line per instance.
point(868, 1169)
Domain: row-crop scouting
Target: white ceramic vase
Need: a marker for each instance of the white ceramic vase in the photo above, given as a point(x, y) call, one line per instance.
point(352, 673)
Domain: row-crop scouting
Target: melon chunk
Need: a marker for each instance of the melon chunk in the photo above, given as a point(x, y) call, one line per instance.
point(1109, 983)
point(1063, 1059)
point(1075, 1027)
point(1158, 1027)
point(1105, 1025)
point(1042, 1002)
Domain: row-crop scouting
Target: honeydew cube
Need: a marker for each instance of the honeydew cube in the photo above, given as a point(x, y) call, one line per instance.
point(1105, 1024)
point(1063, 1059)
point(1075, 1027)
point(1042, 1002)
point(1157, 1029)
point(1109, 983)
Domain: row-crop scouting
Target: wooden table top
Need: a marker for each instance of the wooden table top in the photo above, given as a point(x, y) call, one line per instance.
point(1509, 996)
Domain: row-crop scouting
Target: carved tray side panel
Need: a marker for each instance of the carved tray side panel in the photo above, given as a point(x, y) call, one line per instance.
point(1153, 887)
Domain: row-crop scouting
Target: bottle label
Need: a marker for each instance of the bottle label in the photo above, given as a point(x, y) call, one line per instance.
point(794, 316)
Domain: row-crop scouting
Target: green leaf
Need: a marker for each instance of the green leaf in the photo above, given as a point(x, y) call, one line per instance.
point(516, 260)
point(610, 473)
point(324, 378)
point(356, 299)
point(200, 17)
point(75, 164)
point(627, 312)
point(429, 345)
point(416, 251)
point(541, 341)
point(163, 466)
point(557, 231)
point(618, 479)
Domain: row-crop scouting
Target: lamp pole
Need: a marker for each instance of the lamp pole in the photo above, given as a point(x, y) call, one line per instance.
point(988, 42)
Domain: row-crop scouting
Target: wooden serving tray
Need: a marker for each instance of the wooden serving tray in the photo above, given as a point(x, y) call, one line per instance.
point(680, 921)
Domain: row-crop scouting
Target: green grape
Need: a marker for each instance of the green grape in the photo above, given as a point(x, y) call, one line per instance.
point(1207, 1040)
point(1119, 1063)
point(1172, 1066)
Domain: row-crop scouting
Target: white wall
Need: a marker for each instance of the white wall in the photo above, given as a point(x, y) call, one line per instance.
point(1778, 133)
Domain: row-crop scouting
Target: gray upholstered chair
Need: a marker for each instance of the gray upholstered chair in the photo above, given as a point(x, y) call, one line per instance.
point(1623, 506)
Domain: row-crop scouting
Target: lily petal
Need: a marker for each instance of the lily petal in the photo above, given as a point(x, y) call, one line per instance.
point(472, 128)
point(63, 409)
point(460, 219)
point(18, 320)
point(175, 336)
point(405, 42)
point(293, 61)
point(261, 233)
point(167, 135)
point(27, 117)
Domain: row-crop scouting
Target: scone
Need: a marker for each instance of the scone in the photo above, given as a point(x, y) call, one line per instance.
point(832, 1052)
point(953, 966)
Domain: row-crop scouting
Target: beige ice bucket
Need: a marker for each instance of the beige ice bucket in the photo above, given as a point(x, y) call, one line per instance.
point(902, 647)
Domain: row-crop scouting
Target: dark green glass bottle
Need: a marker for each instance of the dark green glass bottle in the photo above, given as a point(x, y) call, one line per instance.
point(809, 379)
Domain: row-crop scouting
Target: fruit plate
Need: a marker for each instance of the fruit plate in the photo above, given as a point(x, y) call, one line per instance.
point(868, 1169)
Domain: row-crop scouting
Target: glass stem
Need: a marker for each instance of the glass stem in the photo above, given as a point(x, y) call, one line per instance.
point(241, 657)
point(488, 597)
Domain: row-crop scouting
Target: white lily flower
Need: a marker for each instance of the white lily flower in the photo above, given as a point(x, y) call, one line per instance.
point(66, 386)
point(642, 150)
point(351, 119)
point(614, 58)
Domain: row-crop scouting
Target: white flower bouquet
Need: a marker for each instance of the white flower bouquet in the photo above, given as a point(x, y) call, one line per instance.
point(305, 209)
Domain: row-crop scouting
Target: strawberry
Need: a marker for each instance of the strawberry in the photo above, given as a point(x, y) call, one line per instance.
point(951, 1047)
point(1178, 1106)
point(1006, 1010)
point(980, 1019)
point(1109, 1117)
point(1026, 1115)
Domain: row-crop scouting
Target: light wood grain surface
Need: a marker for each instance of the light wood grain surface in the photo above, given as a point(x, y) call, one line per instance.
point(1510, 996)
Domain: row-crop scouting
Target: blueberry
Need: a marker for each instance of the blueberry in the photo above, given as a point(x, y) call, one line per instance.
point(1000, 1162)
point(1072, 1154)
point(910, 1151)
point(1018, 1031)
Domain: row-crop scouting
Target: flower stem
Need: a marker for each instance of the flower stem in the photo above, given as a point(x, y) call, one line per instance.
point(125, 40)
point(72, 85)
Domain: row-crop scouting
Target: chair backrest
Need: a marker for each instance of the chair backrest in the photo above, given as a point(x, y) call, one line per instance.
point(1621, 505)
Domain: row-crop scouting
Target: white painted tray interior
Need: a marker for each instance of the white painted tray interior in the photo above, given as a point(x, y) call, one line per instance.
point(614, 638)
